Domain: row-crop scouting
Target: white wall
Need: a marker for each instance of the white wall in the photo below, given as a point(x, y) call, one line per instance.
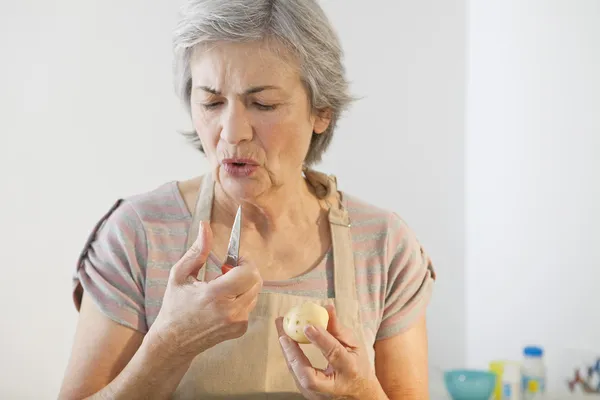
point(533, 177)
point(408, 61)
point(87, 115)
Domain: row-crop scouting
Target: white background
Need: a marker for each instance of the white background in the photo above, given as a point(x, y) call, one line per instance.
point(533, 179)
point(486, 113)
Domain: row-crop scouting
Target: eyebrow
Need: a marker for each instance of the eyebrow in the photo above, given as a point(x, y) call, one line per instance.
point(254, 89)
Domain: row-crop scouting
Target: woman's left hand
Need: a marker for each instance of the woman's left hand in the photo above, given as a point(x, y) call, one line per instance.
point(349, 374)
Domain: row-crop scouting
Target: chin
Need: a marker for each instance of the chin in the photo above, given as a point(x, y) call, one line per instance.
point(240, 187)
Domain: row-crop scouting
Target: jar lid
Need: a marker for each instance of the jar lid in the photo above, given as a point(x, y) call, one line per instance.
point(533, 351)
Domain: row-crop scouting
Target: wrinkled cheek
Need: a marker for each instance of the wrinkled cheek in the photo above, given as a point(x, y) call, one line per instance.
point(206, 131)
point(210, 148)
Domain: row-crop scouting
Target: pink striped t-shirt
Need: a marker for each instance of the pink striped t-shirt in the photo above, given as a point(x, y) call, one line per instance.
point(125, 267)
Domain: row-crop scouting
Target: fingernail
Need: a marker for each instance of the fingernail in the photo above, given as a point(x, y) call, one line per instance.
point(310, 331)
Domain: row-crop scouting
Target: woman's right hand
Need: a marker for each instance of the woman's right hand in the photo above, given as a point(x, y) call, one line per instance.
point(195, 315)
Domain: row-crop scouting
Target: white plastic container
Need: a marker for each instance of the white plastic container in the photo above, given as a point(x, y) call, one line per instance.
point(533, 371)
point(511, 381)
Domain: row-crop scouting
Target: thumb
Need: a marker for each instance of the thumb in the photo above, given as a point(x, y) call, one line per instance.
point(195, 257)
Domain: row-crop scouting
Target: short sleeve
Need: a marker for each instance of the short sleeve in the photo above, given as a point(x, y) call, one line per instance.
point(409, 282)
point(111, 267)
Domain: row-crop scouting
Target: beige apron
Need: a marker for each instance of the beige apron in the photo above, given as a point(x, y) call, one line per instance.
point(253, 366)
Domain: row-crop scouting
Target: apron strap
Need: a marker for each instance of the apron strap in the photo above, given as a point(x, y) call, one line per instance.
point(344, 271)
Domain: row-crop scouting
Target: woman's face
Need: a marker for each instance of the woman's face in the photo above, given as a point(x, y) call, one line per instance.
point(252, 115)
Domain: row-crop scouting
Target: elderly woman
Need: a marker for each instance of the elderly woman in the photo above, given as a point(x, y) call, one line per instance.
point(264, 84)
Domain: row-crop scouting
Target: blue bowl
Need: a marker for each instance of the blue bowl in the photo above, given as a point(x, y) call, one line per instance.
point(464, 384)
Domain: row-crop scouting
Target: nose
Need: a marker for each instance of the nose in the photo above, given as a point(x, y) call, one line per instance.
point(236, 126)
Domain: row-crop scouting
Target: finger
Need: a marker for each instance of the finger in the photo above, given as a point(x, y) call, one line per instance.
point(279, 326)
point(305, 375)
point(336, 354)
point(339, 331)
point(248, 299)
point(288, 345)
point(252, 305)
point(237, 281)
point(281, 332)
point(193, 259)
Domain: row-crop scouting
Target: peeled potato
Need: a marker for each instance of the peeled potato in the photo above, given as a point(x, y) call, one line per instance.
point(299, 316)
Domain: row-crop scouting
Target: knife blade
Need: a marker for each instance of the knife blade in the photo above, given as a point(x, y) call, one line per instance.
point(233, 251)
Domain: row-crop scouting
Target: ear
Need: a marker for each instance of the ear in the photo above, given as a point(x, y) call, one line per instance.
point(322, 120)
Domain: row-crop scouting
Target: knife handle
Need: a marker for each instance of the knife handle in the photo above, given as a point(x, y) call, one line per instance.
point(226, 268)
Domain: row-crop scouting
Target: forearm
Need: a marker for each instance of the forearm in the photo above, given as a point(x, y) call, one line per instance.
point(375, 392)
point(401, 393)
point(367, 389)
point(152, 373)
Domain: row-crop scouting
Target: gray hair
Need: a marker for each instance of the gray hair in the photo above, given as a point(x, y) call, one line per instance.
point(301, 26)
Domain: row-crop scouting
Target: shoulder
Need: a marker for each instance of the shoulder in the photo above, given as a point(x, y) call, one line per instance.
point(384, 233)
point(132, 218)
point(398, 272)
point(164, 201)
point(359, 209)
point(383, 228)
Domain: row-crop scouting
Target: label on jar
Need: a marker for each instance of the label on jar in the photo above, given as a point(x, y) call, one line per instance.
point(532, 385)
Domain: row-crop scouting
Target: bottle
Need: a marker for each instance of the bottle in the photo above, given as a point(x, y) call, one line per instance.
point(511, 381)
point(533, 371)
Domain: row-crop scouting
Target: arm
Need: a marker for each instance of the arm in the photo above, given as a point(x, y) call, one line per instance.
point(401, 354)
point(113, 361)
point(114, 355)
point(401, 363)
point(110, 360)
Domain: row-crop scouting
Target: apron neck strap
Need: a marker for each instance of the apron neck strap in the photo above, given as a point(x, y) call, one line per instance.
point(325, 187)
point(344, 271)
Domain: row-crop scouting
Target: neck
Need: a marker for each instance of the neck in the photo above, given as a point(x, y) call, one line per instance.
point(292, 205)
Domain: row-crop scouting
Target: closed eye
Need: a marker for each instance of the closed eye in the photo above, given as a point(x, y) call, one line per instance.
point(264, 107)
point(210, 106)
